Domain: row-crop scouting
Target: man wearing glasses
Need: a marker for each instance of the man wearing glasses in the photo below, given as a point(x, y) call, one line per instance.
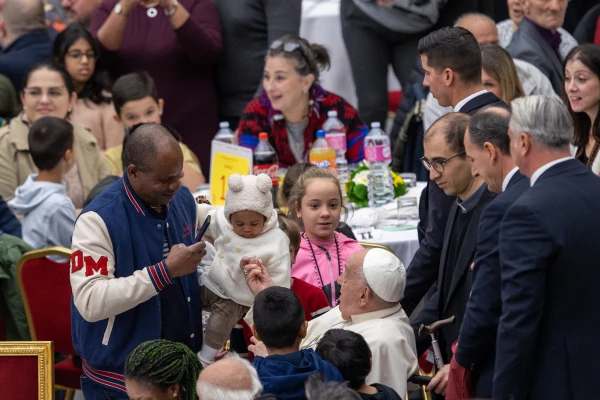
point(24, 39)
point(451, 58)
point(451, 171)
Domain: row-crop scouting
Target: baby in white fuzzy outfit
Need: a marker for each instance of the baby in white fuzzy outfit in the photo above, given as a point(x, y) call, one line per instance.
point(246, 226)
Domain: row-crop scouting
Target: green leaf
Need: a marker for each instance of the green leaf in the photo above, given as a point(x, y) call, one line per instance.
point(361, 192)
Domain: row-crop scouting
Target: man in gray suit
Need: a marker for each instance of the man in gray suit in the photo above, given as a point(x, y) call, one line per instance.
point(537, 39)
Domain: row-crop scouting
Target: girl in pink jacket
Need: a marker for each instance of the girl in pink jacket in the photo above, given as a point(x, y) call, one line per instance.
point(316, 203)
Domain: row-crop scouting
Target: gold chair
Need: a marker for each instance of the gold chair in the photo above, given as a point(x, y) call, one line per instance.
point(368, 245)
point(27, 370)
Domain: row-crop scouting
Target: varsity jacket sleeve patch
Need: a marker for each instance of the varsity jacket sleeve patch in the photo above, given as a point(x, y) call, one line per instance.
point(97, 293)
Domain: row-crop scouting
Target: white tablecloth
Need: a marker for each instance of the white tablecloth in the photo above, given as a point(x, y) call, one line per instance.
point(403, 243)
point(321, 24)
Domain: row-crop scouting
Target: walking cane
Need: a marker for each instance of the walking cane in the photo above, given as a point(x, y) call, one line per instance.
point(431, 331)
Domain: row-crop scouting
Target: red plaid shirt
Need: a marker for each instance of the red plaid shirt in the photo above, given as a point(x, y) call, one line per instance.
point(259, 116)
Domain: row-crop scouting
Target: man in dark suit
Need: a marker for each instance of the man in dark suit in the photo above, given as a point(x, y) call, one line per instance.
point(24, 38)
point(451, 59)
point(537, 39)
point(547, 346)
point(488, 147)
point(451, 170)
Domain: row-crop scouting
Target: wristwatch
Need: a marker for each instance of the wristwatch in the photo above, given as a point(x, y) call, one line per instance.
point(169, 13)
point(118, 8)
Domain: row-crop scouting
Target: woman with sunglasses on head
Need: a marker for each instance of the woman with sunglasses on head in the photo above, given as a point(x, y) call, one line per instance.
point(76, 50)
point(293, 106)
point(582, 97)
point(48, 91)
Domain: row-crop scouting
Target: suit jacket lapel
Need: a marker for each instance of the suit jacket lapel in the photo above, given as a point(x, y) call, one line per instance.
point(449, 226)
point(464, 259)
point(544, 46)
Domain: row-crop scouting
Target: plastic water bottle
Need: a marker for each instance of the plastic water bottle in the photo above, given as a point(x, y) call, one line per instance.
point(335, 133)
point(322, 154)
point(378, 155)
point(225, 134)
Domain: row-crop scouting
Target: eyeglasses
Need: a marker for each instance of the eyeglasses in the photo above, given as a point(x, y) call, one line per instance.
point(52, 92)
point(438, 165)
point(289, 47)
point(78, 55)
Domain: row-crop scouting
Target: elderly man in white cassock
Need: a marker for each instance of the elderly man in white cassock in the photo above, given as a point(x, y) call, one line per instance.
point(372, 287)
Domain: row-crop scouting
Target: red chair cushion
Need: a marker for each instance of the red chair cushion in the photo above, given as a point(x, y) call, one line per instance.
point(19, 377)
point(48, 290)
point(66, 374)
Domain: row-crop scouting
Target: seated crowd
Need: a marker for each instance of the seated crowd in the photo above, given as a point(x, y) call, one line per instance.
point(107, 113)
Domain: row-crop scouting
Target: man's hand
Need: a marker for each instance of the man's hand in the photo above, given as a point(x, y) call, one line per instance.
point(440, 381)
point(258, 347)
point(183, 260)
point(257, 277)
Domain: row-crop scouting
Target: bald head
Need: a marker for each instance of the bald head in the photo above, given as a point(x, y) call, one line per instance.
point(145, 142)
point(481, 26)
point(355, 263)
point(21, 17)
point(229, 378)
point(452, 126)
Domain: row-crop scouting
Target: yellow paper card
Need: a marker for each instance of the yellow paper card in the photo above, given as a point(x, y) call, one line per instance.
point(226, 160)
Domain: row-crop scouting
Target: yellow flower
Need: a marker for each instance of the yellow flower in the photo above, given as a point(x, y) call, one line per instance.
point(397, 179)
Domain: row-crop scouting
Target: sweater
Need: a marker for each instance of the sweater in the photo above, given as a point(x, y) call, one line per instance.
point(259, 116)
point(225, 278)
point(117, 272)
point(48, 213)
point(328, 270)
point(181, 61)
point(249, 27)
point(99, 119)
point(284, 376)
point(27, 51)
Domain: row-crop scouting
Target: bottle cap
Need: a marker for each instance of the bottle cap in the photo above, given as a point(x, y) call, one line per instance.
point(320, 133)
point(332, 113)
point(375, 125)
point(224, 125)
point(263, 136)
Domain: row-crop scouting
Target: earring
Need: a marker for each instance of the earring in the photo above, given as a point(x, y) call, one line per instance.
point(175, 394)
point(24, 108)
point(69, 110)
point(305, 90)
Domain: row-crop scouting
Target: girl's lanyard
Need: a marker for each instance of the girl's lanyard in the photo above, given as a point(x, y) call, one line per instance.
point(333, 299)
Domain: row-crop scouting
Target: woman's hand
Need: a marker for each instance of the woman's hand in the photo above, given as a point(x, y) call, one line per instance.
point(128, 6)
point(256, 274)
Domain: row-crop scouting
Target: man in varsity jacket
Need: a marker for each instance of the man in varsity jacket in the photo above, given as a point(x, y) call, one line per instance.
point(133, 266)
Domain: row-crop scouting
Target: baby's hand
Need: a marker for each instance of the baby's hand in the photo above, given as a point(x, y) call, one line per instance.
point(258, 347)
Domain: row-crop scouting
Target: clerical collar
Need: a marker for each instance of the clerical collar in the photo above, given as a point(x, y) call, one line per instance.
point(472, 201)
point(552, 38)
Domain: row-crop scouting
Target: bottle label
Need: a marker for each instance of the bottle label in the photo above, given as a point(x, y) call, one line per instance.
point(327, 164)
point(337, 141)
point(378, 153)
point(270, 169)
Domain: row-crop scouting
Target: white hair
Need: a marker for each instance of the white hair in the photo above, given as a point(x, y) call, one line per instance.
point(210, 391)
point(544, 118)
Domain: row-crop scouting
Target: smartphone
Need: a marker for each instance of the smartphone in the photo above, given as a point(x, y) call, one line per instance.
point(203, 229)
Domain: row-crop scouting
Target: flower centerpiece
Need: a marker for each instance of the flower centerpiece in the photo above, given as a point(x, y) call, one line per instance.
point(357, 187)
